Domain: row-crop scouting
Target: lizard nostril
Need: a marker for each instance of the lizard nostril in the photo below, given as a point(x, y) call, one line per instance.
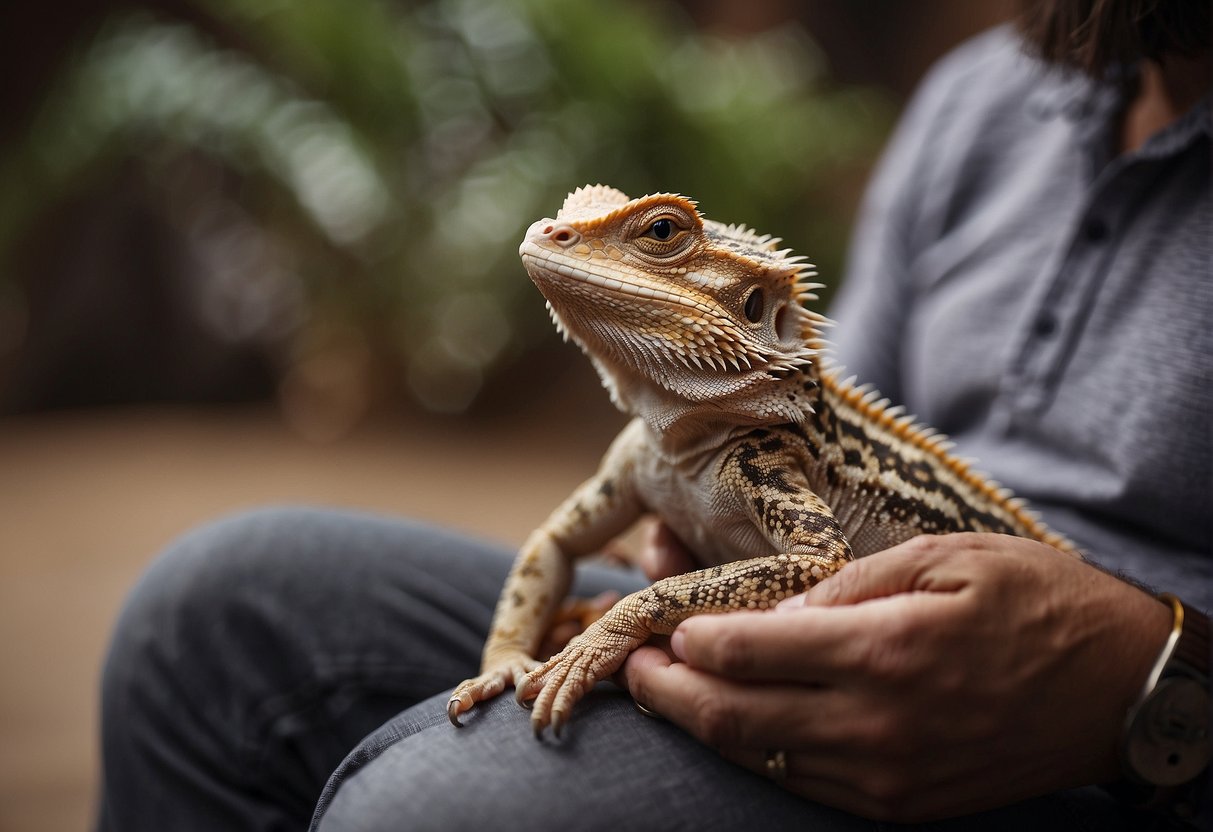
point(562, 235)
point(548, 231)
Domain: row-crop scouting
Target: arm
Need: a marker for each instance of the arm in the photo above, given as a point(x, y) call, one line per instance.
point(600, 508)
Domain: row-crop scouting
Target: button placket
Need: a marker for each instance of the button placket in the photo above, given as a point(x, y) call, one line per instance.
point(1063, 308)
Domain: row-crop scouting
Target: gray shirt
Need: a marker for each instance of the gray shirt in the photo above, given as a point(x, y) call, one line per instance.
point(1049, 304)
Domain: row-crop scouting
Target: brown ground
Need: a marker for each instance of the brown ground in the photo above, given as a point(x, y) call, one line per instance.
point(86, 499)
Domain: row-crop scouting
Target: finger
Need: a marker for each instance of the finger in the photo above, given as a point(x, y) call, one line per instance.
point(876, 789)
point(663, 554)
point(831, 782)
point(812, 645)
point(797, 766)
point(921, 564)
point(722, 713)
point(709, 708)
point(658, 643)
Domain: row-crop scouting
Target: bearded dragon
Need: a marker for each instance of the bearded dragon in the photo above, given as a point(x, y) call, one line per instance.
point(774, 469)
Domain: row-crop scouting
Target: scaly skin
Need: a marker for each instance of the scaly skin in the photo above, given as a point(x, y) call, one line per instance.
point(772, 469)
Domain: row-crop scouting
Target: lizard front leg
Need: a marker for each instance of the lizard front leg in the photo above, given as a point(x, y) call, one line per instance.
point(757, 584)
point(539, 578)
point(783, 508)
point(597, 511)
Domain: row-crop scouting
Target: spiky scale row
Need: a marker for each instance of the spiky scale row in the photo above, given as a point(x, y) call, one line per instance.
point(865, 399)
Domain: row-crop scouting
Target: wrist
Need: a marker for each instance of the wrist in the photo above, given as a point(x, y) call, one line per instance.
point(1165, 744)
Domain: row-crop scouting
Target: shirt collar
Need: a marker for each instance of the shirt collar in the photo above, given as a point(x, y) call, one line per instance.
point(1075, 97)
point(1195, 124)
point(1092, 106)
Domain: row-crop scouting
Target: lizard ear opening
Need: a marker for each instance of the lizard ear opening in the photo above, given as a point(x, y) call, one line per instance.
point(754, 306)
point(782, 318)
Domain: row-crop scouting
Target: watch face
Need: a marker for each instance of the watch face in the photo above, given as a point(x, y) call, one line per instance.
point(1168, 742)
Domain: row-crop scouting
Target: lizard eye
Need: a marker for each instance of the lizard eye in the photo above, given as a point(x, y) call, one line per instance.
point(664, 237)
point(753, 306)
point(662, 229)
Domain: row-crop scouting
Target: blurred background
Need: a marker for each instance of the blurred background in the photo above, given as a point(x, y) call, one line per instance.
point(261, 251)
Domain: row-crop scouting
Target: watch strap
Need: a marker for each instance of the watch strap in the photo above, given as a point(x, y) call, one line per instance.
point(1184, 659)
point(1192, 651)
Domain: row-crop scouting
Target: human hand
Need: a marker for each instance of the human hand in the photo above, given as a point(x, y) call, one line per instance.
point(662, 554)
point(946, 675)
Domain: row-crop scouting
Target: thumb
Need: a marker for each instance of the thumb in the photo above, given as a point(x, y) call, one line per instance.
point(902, 568)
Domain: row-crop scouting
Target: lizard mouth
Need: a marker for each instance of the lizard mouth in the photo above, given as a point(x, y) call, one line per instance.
point(538, 260)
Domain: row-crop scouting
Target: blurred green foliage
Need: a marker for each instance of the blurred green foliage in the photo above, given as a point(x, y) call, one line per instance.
point(389, 155)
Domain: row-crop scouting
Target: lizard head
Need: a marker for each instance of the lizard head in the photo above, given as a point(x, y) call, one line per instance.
point(652, 291)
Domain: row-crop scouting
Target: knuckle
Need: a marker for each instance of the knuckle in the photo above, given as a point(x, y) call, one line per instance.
point(717, 722)
point(642, 690)
point(882, 733)
point(730, 653)
point(637, 684)
point(888, 657)
point(924, 548)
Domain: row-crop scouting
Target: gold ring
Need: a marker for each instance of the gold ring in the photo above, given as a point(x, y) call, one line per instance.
point(649, 713)
point(777, 766)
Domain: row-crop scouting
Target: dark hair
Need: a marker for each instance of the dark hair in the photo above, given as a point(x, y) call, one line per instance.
point(1093, 35)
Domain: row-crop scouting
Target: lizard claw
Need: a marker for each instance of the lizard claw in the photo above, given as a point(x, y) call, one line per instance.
point(555, 686)
point(488, 684)
point(469, 693)
point(557, 725)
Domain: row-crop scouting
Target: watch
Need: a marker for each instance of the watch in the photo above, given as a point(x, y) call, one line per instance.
point(1166, 742)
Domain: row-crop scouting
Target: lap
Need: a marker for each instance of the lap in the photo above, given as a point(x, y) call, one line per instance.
point(259, 650)
point(614, 768)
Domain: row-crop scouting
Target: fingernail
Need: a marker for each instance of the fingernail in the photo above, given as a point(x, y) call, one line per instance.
point(676, 641)
point(796, 602)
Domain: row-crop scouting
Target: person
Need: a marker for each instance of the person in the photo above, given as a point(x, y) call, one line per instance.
point(1031, 274)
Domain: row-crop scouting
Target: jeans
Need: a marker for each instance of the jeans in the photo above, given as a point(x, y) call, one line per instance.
point(290, 666)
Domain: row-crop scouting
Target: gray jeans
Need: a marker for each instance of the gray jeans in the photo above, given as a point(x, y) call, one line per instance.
point(292, 665)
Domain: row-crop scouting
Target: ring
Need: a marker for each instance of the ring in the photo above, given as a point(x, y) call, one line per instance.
point(777, 766)
point(647, 712)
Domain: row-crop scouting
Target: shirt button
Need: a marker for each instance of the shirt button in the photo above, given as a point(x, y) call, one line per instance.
point(1044, 325)
point(1095, 230)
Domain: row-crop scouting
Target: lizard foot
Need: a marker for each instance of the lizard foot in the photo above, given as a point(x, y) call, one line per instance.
point(487, 685)
point(573, 617)
point(554, 687)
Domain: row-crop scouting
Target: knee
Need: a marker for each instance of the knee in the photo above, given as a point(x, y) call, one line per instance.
point(196, 573)
point(198, 594)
